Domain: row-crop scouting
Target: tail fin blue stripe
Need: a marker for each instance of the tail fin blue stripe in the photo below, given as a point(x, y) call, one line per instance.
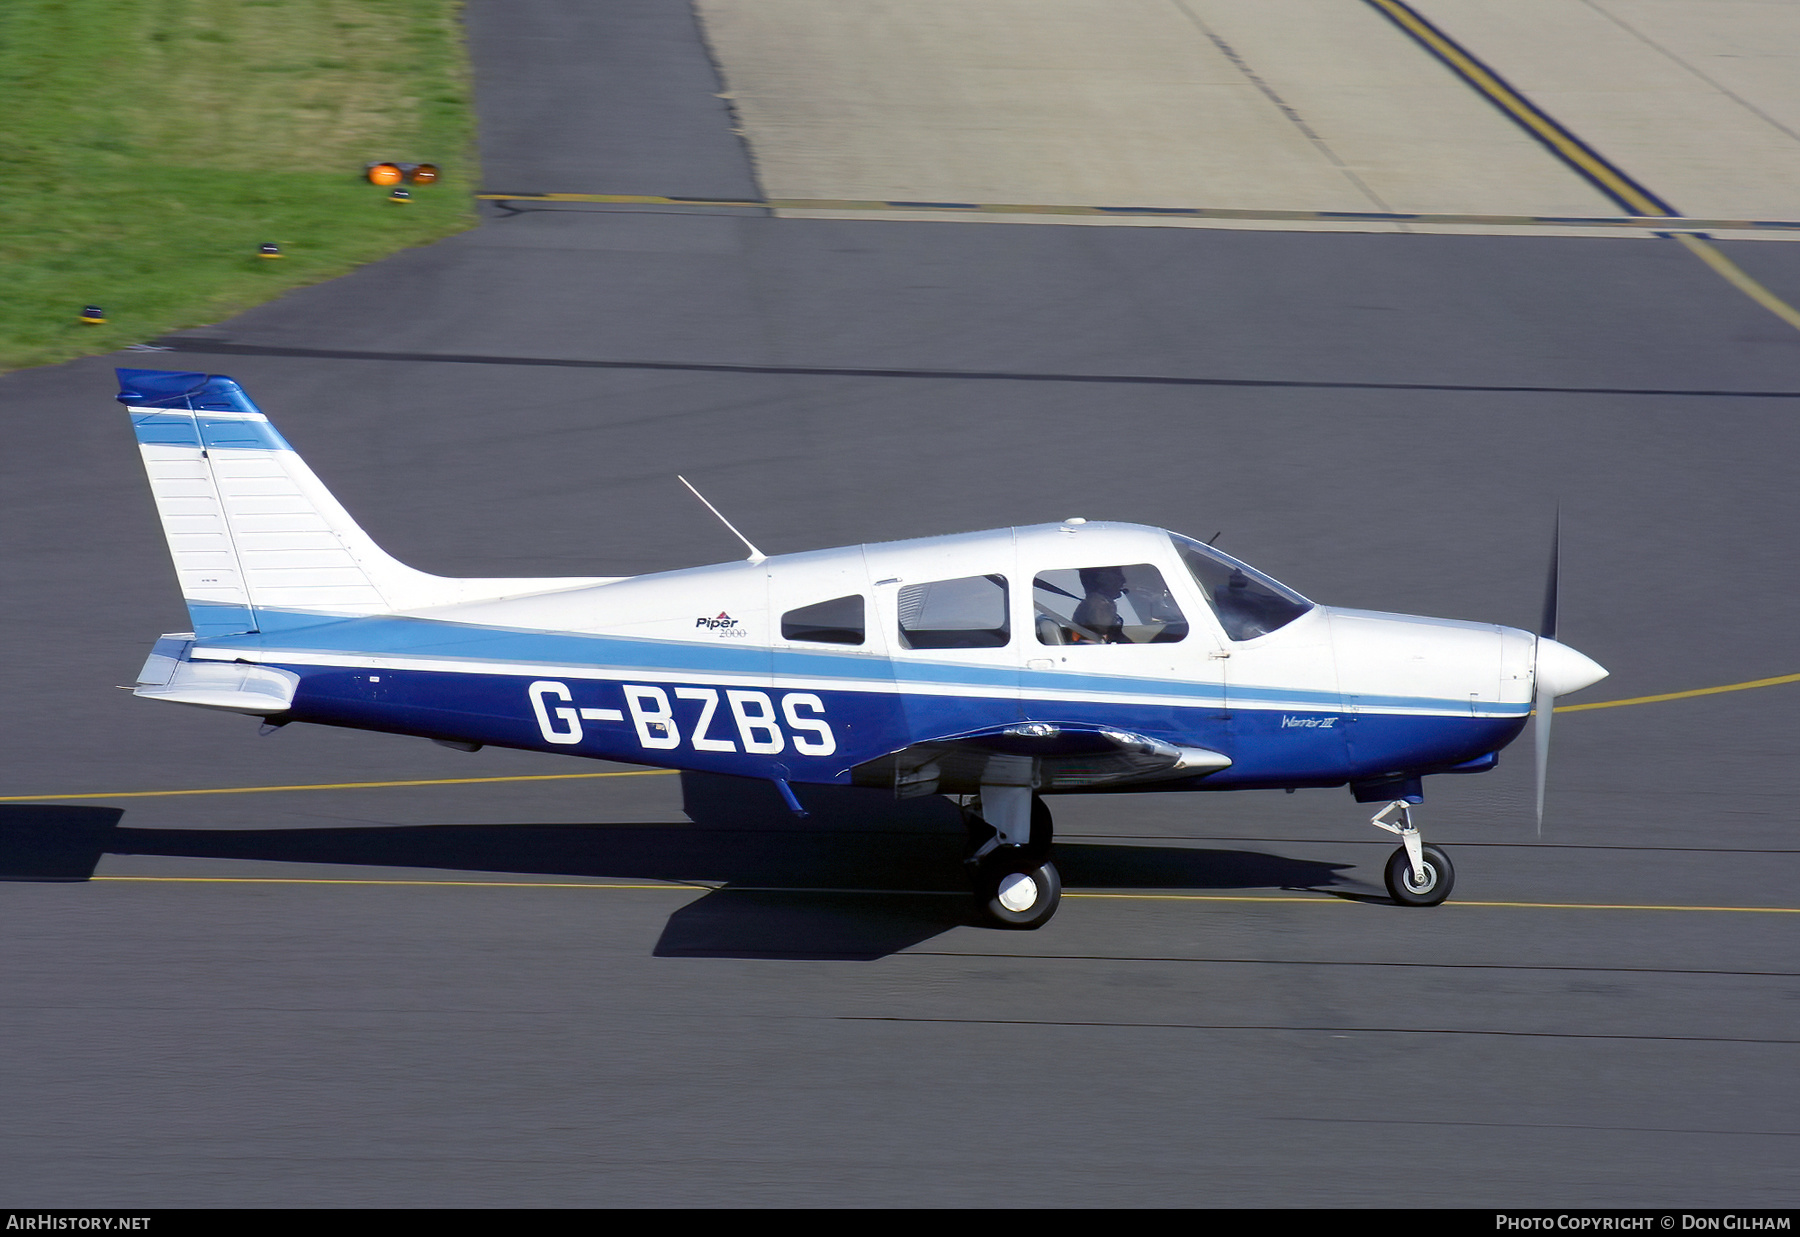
point(196, 429)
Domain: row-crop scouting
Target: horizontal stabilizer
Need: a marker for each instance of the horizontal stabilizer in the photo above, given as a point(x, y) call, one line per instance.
point(235, 687)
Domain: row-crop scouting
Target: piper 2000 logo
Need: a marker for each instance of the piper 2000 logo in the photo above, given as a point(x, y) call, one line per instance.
point(725, 627)
point(758, 725)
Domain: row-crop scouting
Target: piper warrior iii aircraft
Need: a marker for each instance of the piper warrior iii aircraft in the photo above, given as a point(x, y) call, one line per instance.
point(1000, 666)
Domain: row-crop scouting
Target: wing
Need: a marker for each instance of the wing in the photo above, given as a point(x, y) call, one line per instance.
point(1066, 756)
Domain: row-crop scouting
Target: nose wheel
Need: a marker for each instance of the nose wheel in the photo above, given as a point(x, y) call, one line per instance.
point(1016, 885)
point(1427, 889)
point(1417, 874)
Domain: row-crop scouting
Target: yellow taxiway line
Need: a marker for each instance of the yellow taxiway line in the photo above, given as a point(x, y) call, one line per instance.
point(1544, 906)
point(1738, 278)
point(1697, 691)
point(1610, 180)
point(1587, 162)
point(1316, 900)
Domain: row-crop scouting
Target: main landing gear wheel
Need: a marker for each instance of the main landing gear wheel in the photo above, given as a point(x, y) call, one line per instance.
point(1408, 890)
point(1016, 885)
point(1020, 894)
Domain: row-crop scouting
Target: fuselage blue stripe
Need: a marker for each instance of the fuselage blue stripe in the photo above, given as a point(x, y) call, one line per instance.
point(383, 635)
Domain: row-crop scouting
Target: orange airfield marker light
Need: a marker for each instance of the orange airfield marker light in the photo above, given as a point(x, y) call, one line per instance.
point(388, 173)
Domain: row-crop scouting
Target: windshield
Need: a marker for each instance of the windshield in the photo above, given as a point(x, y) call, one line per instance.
point(1248, 603)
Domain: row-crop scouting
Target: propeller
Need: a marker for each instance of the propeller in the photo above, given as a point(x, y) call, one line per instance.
point(1559, 670)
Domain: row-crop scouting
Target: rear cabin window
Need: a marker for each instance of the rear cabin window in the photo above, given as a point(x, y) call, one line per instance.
point(1106, 605)
point(1248, 603)
point(968, 613)
point(838, 621)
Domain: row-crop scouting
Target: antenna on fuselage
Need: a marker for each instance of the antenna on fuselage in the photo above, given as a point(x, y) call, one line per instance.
point(756, 555)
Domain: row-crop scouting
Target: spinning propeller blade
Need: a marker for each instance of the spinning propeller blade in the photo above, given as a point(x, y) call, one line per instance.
point(1559, 671)
point(1544, 703)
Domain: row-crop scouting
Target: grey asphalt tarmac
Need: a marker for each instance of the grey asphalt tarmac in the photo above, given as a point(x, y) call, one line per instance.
point(662, 991)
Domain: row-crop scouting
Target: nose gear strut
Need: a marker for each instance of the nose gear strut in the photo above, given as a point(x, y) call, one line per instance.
point(1417, 874)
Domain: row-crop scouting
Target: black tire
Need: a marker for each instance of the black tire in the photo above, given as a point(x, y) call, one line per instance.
point(1440, 878)
point(1011, 902)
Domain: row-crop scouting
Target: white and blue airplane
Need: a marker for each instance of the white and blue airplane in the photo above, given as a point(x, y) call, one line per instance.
point(1000, 667)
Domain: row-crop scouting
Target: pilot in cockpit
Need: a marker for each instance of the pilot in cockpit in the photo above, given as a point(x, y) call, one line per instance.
point(1099, 610)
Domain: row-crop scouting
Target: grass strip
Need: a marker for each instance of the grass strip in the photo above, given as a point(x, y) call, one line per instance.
point(150, 147)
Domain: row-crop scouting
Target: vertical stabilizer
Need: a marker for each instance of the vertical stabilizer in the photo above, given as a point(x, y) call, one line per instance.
point(252, 530)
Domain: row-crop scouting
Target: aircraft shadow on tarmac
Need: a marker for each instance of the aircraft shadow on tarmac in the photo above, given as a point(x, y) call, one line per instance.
point(861, 877)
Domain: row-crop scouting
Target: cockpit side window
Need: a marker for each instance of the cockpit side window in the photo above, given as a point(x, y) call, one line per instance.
point(838, 621)
point(1106, 605)
point(968, 613)
point(1248, 603)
